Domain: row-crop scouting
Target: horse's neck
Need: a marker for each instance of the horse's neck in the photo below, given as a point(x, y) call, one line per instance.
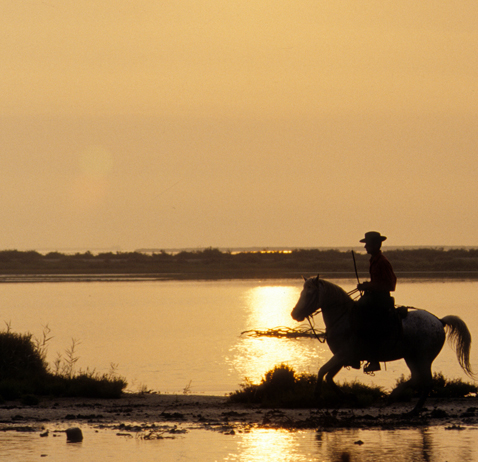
point(335, 303)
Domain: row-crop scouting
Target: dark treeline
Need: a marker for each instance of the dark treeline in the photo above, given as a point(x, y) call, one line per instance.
point(213, 263)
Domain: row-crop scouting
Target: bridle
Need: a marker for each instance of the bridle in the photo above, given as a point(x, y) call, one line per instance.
point(314, 313)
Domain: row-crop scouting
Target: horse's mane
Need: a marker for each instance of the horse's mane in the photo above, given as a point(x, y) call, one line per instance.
point(335, 293)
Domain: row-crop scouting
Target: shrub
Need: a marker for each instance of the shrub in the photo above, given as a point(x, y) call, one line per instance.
point(455, 388)
point(441, 388)
point(19, 357)
point(24, 373)
point(283, 387)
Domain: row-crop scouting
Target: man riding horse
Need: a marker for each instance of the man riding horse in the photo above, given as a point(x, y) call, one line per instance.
point(377, 321)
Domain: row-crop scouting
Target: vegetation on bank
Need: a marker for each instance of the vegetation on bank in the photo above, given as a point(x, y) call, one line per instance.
point(283, 387)
point(216, 264)
point(25, 374)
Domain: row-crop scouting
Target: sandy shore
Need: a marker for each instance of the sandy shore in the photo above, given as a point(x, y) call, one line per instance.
point(171, 413)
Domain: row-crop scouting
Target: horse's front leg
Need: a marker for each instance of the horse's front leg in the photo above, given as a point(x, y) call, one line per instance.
point(329, 369)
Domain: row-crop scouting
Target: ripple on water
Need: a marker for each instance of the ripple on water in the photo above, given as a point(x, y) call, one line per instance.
point(433, 444)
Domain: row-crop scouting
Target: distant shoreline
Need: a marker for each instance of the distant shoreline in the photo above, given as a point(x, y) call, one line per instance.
point(214, 264)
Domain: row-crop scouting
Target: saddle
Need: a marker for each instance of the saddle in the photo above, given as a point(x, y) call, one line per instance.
point(377, 325)
point(402, 311)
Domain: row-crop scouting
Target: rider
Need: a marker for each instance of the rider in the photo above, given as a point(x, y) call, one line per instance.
point(376, 302)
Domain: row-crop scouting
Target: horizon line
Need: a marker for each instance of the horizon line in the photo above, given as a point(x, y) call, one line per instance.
point(238, 249)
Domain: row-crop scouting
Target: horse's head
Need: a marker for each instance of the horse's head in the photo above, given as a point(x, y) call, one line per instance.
point(309, 299)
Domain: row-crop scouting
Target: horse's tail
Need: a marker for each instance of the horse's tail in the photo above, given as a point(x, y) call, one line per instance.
point(460, 338)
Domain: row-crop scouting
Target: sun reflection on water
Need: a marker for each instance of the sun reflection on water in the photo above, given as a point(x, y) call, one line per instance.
point(272, 445)
point(269, 307)
point(427, 444)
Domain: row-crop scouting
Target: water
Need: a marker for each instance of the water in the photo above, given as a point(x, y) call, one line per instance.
point(172, 336)
point(434, 444)
point(168, 336)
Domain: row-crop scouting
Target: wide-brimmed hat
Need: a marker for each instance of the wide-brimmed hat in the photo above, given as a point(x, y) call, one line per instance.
point(373, 236)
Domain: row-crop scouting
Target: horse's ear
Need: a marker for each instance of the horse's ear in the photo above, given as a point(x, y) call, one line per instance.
point(317, 279)
point(304, 278)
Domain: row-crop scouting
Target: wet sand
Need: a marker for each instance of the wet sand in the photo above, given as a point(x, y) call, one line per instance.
point(143, 413)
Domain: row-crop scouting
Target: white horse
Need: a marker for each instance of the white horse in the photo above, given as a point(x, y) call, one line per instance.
point(423, 338)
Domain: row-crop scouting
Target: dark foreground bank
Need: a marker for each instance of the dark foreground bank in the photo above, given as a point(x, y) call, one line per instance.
point(139, 413)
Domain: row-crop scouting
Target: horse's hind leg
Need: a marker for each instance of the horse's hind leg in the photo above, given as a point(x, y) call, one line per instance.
point(421, 380)
point(425, 383)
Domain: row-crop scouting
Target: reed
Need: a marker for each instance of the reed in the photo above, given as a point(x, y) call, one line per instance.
point(286, 332)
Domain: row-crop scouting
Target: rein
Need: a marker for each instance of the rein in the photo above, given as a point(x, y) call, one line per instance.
point(354, 291)
point(321, 340)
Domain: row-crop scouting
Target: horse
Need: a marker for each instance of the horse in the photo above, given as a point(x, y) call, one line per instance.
point(423, 336)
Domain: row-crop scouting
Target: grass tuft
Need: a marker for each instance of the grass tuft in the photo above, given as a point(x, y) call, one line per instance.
point(442, 388)
point(25, 374)
point(283, 387)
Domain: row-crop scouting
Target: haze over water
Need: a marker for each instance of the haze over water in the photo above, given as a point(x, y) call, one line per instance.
point(237, 124)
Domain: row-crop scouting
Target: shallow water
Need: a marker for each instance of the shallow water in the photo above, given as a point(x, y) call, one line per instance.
point(434, 444)
point(186, 336)
point(175, 336)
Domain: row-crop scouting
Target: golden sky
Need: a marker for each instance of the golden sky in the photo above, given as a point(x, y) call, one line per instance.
point(237, 123)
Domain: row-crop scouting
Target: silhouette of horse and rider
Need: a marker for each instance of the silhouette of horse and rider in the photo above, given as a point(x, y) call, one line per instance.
point(371, 329)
